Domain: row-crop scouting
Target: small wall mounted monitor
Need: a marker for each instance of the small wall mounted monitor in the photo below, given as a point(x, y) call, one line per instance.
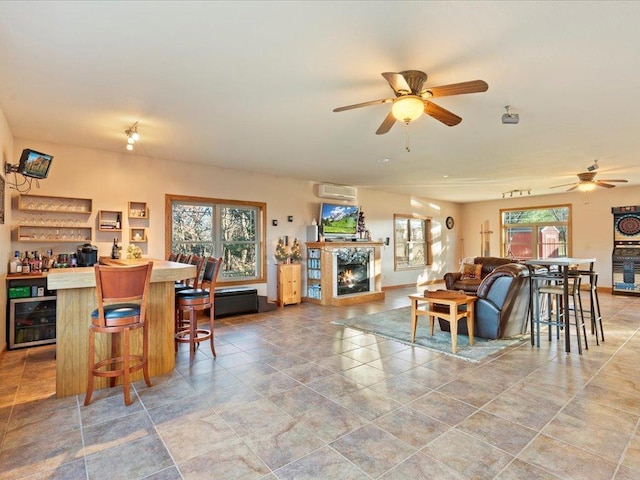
point(34, 164)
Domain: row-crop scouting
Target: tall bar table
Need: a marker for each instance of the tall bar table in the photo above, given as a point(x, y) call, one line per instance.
point(76, 299)
point(563, 265)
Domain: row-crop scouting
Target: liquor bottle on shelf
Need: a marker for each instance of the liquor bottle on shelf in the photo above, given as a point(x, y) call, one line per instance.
point(26, 267)
point(118, 222)
point(15, 266)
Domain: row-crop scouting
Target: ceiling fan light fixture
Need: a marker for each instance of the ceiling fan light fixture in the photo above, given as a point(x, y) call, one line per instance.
point(586, 186)
point(407, 108)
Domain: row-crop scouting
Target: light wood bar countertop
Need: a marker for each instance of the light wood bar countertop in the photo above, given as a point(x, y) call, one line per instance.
point(76, 299)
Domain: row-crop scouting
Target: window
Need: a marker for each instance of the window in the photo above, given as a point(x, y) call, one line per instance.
point(537, 232)
point(220, 228)
point(412, 246)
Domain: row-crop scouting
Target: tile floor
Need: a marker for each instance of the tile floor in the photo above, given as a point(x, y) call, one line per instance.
point(292, 396)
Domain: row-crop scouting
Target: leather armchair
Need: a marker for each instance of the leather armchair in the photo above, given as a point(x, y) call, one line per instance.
point(502, 305)
point(453, 280)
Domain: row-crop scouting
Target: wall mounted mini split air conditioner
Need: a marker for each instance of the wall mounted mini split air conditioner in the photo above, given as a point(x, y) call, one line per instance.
point(342, 192)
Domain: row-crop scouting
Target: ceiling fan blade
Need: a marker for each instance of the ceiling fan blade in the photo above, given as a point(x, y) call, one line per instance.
point(612, 181)
point(439, 113)
point(364, 104)
point(572, 188)
point(397, 82)
point(601, 183)
point(473, 86)
point(386, 124)
point(563, 185)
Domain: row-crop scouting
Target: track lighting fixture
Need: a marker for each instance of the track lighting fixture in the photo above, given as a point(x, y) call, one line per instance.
point(132, 136)
point(593, 167)
point(516, 191)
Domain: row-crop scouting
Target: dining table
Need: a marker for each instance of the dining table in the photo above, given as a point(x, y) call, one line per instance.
point(562, 266)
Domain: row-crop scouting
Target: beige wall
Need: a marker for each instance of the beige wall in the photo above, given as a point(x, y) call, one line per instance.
point(113, 179)
point(592, 222)
point(6, 147)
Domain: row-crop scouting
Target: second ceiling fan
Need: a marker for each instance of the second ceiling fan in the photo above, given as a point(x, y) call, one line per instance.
point(587, 181)
point(412, 99)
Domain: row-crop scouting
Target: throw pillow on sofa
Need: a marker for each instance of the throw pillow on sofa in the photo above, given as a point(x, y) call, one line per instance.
point(471, 271)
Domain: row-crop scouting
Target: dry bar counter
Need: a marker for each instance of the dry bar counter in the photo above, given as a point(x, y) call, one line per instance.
point(76, 299)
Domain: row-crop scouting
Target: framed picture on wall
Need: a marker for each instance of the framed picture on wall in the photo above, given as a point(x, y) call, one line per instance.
point(1, 200)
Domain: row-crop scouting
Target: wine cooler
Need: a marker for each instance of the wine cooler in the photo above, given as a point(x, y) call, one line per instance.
point(32, 321)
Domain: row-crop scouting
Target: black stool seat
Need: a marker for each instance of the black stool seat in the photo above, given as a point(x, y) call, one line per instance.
point(118, 312)
point(192, 294)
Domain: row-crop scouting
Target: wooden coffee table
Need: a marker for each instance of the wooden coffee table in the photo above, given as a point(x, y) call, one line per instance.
point(451, 299)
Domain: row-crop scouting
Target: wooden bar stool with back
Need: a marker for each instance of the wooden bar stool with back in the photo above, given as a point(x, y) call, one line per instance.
point(122, 294)
point(194, 300)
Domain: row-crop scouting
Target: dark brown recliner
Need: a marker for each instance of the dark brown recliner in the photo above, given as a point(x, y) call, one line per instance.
point(454, 281)
point(502, 305)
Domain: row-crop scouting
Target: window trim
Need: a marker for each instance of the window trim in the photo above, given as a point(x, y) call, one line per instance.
point(428, 242)
point(569, 224)
point(262, 243)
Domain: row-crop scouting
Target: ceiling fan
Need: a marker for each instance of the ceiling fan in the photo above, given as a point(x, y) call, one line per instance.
point(587, 182)
point(411, 99)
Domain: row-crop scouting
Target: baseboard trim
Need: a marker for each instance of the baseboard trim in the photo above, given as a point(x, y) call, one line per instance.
point(410, 285)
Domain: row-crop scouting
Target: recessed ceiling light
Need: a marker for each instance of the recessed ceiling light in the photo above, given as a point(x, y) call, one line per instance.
point(383, 160)
point(445, 176)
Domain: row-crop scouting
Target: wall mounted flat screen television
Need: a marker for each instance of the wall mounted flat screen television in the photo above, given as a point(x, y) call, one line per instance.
point(34, 164)
point(339, 221)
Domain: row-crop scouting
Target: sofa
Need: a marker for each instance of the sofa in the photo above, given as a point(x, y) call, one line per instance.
point(502, 306)
point(455, 280)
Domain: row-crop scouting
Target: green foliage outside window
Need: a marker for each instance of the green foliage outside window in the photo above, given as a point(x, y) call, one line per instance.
point(219, 230)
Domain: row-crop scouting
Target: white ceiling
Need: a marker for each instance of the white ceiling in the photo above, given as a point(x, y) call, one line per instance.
point(252, 85)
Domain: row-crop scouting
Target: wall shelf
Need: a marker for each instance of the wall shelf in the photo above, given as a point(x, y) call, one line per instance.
point(32, 233)
point(138, 210)
point(108, 221)
point(50, 219)
point(46, 203)
point(138, 235)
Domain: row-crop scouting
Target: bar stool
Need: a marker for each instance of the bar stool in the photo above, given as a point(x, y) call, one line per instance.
point(122, 294)
point(554, 290)
point(172, 257)
point(194, 300)
point(594, 302)
point(198, 262)
point(188, 283)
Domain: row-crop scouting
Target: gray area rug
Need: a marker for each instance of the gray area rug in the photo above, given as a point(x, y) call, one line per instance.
point(396, 325)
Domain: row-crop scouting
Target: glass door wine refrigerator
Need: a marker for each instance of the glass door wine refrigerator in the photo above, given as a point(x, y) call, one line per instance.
point(31, 318)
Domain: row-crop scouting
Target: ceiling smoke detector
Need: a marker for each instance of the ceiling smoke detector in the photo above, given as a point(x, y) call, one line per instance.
point(510, 118)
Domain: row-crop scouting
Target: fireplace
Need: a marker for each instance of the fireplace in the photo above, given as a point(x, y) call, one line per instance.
point(354, 270)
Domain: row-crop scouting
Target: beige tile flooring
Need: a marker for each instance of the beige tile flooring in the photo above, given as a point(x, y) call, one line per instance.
point(292, 396)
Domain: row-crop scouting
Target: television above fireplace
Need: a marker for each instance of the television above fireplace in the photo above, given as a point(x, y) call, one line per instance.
point(339, 221)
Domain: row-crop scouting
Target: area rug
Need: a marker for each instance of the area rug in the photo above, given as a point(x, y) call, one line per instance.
point(396, 325)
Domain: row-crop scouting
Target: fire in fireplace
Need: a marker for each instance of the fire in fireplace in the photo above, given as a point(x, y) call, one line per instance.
point(353, 268)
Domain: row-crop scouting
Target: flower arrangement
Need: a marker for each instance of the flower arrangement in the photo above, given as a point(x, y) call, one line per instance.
point(134, 251)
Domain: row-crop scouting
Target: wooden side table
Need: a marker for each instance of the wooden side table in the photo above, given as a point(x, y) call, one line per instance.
point(451, 299)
